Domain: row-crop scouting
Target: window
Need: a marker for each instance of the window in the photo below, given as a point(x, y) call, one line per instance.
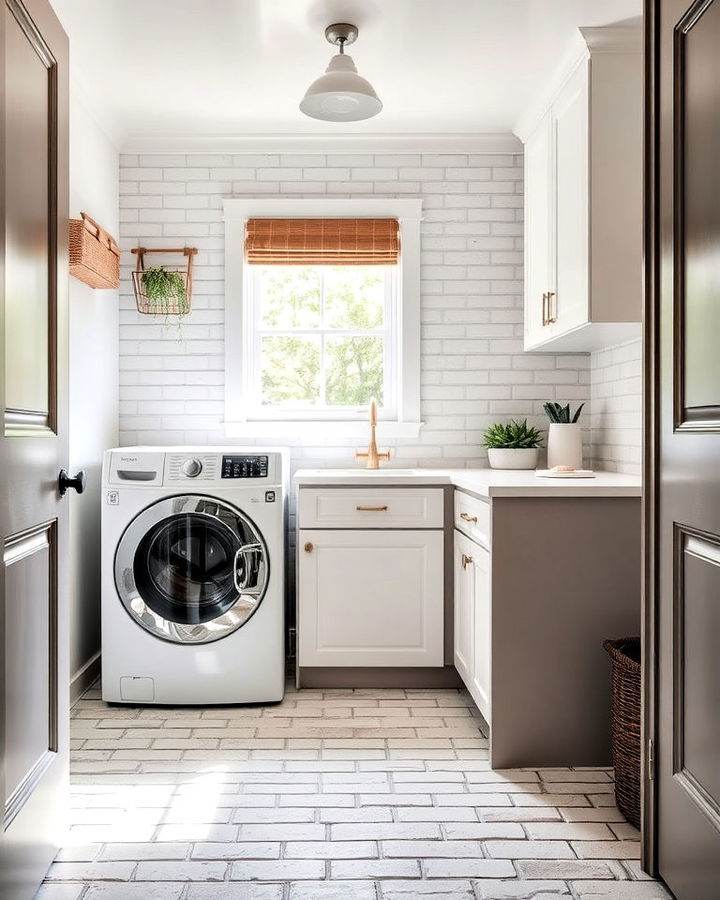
point(323, 339)
point(309, 344)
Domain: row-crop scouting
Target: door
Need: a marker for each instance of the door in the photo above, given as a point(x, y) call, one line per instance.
point(538, 189)
point(33, 444)
point(568, 304)
point(191, 569)
point(472, 619)
point(370, 598)
point(684, 488)
point(480, 563)
point(463, 607)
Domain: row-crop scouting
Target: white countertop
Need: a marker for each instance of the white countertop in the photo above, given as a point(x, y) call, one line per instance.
point(483, 482)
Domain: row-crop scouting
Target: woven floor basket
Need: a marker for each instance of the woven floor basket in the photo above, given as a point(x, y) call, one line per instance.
point(94, 255)
point(625, 713)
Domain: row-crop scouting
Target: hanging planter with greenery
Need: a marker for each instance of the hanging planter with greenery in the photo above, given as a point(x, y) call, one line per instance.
point(163, 290)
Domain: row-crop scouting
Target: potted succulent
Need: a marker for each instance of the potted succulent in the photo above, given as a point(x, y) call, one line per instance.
point(512, 445)
point(564, 436)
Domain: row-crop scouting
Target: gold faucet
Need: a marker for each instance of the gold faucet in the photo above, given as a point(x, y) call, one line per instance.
point(372, 456)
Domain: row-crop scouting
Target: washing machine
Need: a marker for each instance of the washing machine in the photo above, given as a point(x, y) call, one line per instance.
point(193, 575)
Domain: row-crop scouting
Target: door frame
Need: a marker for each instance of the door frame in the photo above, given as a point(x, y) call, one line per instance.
point(651, 421)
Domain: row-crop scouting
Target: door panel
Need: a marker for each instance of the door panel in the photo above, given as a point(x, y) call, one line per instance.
point(30, 634)
point(538, 230)
point(27, 239)
point(370, 598)
point(697, 669)
point(697, 176)
point(684, 244)
point(463, 608)
point(481, 629)
point(570, 113)
point(33, 443)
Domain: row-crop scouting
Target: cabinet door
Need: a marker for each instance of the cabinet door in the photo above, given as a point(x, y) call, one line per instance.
point(480, 687)
point(538, 171)
point(370, 598)
point(570, 124)
point(463, 607)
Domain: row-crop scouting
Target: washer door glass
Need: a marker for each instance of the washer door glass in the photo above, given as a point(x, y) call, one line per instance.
point(191, 569)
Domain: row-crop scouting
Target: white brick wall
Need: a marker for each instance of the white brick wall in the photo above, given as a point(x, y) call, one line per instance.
point(473, 369)
point(616, 417)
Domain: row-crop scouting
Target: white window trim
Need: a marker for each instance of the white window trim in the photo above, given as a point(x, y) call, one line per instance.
point(237, 211)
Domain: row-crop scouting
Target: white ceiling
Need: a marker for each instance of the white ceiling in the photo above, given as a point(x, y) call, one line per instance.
point(190, 68)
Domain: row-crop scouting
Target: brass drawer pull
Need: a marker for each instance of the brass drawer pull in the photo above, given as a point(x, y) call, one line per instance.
point(468, 518)
point(371, 508)
point(466, 561)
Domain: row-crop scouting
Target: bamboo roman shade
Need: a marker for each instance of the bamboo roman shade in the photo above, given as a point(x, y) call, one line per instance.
point(317, 242)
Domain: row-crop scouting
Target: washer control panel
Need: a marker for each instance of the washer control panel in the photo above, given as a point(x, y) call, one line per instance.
point(195, 466)
point(231, 465)
point(244, 466)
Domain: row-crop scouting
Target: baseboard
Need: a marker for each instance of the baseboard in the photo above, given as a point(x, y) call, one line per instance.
point(84, 677)
point(379, 677)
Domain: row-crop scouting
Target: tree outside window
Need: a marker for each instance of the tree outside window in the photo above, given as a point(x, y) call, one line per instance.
point(322, 336)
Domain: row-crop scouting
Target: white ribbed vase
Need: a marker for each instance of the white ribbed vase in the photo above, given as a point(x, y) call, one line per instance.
point(564, 446)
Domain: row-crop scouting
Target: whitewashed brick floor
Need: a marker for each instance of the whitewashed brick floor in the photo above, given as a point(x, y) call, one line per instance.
point(330, 795)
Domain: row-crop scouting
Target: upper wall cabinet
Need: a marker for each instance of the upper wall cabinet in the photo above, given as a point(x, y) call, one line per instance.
point(583, 197)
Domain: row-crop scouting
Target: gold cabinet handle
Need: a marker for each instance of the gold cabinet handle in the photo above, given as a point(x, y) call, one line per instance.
point(468, 518)
point(551, 318)
point(371, 508)
point(466, 561)
point(308, 547)
point(544, 309)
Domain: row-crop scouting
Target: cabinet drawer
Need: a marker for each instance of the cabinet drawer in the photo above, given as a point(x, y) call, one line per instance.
point(370, 508)
point(472, 517)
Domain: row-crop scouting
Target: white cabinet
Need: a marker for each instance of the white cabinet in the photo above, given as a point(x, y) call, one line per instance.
point(370, 598)
point(567, 306)
point(371, 589)
point(463, 609)
point(472, 619)
point(538, 224)
point(583, 198)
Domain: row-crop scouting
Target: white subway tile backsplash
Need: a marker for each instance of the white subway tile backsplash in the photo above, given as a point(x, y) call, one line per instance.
point(473, 366)
point(616, 412)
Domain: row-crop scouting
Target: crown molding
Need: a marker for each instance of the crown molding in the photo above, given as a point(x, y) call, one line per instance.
point(586, 42)
point(614, 38)
point(325, 143)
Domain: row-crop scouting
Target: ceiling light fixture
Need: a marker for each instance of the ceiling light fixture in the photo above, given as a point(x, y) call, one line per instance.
point(341, 95)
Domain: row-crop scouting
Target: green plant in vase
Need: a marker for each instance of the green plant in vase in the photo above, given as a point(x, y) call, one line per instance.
point(512, 445)
point(564, 436)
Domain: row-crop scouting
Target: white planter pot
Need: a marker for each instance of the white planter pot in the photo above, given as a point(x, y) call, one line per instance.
point(564, 446)
point(508, 458)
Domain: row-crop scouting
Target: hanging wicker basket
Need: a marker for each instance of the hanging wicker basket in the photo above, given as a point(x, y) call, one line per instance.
point(94, 254)
point(625, 713)
point(179, 305)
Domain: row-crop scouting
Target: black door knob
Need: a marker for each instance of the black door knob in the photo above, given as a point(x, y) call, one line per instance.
point(77, 482)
